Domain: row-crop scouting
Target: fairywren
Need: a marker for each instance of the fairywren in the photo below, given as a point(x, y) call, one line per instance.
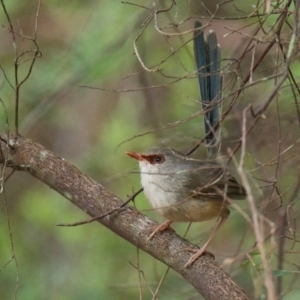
point(184, 189)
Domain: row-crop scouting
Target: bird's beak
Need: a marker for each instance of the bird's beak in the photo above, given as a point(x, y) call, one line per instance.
point(135, 155)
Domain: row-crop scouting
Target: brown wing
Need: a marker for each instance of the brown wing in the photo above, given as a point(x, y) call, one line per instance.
point(220, 183)
point(232, 187)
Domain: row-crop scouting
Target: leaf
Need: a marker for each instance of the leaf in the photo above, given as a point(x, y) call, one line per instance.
point(278, 273)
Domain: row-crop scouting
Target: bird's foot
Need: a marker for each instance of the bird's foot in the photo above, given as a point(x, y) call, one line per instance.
point(160, 228)
point(198, 253)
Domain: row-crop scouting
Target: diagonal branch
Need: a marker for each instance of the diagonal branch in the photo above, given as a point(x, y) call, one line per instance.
point(205, 275)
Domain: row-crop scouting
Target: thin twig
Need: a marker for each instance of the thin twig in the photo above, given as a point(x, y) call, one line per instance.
point(117, 209)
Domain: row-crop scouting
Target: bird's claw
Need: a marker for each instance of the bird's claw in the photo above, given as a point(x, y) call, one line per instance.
point(160, 228)
point(198, 253)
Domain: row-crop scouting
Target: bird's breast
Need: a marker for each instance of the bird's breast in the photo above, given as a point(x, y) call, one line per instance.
point(177, 204)
point(157, 191)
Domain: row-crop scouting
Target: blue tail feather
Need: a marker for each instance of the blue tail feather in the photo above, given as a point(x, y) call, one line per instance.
point(208, 61)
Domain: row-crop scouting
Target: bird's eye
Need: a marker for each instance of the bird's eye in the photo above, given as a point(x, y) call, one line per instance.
point(158, 159)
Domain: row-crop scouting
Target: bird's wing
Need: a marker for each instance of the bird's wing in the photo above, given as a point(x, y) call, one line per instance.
point(213, 181)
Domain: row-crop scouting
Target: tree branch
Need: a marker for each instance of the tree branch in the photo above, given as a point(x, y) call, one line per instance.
point(205, 275)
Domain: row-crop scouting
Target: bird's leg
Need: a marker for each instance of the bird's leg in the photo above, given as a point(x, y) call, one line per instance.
point(200, 252)
point(160, 228)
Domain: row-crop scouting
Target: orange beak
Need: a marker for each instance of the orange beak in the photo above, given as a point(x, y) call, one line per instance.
point(135, 155)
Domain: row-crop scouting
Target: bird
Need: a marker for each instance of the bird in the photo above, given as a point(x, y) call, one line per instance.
point(184, 189)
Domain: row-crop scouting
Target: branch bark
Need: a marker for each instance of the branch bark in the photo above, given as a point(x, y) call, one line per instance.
point(205, 275)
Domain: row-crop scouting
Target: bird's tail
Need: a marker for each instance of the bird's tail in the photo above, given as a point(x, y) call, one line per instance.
point(208, 61)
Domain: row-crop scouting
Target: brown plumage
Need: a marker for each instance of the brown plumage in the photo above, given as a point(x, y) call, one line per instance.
point(183, 189)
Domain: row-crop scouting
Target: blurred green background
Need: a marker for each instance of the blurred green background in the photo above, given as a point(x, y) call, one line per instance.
point(90, 43)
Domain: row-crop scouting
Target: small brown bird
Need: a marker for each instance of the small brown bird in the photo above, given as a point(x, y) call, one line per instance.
point(183, 189)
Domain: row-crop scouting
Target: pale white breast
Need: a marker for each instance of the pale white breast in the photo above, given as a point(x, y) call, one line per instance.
point(156, 186)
